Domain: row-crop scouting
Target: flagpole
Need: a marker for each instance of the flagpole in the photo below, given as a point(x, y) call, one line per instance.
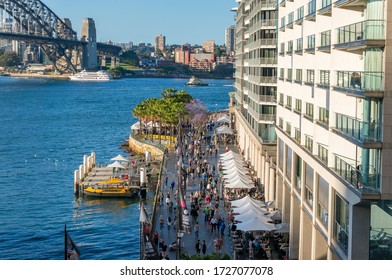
point(65, 242)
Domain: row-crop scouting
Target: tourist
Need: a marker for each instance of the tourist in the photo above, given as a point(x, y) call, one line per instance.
point(204, 248)
point(161, 222)
point(169, 220)
point(222, 227)
point(164, 249)
point(197, 247)
point(250, 249)
point(172, 185)
point(197, 229)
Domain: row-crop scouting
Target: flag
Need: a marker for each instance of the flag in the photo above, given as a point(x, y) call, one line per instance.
point(71, 251)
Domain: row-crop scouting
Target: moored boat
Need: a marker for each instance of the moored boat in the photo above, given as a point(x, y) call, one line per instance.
point(113, 187)
point(91, 76)
point(193, 81)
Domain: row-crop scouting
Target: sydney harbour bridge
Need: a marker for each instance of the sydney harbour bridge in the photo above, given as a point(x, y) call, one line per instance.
point(32, 22)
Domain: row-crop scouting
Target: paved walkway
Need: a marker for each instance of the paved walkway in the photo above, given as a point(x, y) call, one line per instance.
point(188, 241)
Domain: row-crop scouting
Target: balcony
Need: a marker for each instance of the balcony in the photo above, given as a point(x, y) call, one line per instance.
point(357, 36)
point(365, 181)
point(351, 4)
point(360, 84)
point(311, 16)
point(282, 3)
point(325, 42)
point(368, 134)
point(326, 8)
point(299, 21)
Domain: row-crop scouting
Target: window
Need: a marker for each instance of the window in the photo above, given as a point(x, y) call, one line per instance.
point(298, 172)
point(312, 7)
point(282, 22)
point(341, 225)
point(281, 48)
point(290, 46)
point(300, 13)
point(290, 18)
point(309, 143)
point(288, 102)
point(324, 77)
point(300, 44)
point(311, 41)
point(289, 74)
point(309, 110)
point(323, 116)
point(323, 200)
point(297, 135)
point(325, 38)
point(310, 76)
point(281, 73)
point(288, 128)
point(298, 106)
point(281, 123)
point(281, 152)
point(298, 75)
point(309, 196)
point(281, 99)
point(289, 161)
point(322, 154)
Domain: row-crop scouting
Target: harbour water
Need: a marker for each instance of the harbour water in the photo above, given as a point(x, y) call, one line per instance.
point(46, 128)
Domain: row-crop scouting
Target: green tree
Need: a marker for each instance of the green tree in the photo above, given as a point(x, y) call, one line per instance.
point(130, 57)
point(9, 59)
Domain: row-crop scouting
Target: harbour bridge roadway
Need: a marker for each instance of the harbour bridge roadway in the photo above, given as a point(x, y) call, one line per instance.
point(36, 23)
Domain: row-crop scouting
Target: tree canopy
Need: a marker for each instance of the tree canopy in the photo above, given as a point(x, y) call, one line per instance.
point(130, 57)
point(9, 59)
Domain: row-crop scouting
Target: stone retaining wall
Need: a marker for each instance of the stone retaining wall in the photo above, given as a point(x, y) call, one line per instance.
point(141, 147)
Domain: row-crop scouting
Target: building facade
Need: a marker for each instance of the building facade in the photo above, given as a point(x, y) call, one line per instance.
point(209, 46)
point(333, 121)
point(230, 39)
point(253, 104)
point(160, 43)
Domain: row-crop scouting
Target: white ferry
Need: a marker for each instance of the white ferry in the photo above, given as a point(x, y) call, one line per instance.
point(193, 81)
point(91, 76)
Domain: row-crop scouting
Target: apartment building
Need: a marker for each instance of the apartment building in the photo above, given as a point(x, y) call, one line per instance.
point(253, 103)
point(333, 178)
point(334, 128)
point(160, 43)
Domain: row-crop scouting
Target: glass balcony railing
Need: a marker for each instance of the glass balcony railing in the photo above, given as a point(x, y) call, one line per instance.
point(362, 81)
point(361, 131)
point(361, 31)
point(362, 180)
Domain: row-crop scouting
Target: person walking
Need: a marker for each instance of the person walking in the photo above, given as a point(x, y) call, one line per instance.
point(161, 221)
point(222, 227)
point(197, 229)
point(198, 247)
point(204, 247)
point(169, 222)
point(172, 185)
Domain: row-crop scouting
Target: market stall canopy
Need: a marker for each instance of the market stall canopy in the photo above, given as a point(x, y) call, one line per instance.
point(223, 119)
point(224, 130)
point(135, 126)
point(229, 155)
point(250, 207)
point(234, 176)
point(229, 170)
point(256, 224)
point(249, 215)
point(119, 158)
point(275, 215)
point(245, 200)
point(116, 164)
point(239, 185)
point(283, 228)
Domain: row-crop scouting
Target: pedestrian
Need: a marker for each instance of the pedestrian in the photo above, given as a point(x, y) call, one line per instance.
point(197, 229)
point(204, 248)
point(222, 227)
point(250, 249)
point(220, 244)
point(197, 247)
point(161, 221)
point(164, 249)
point(156, 238)
point(166, 180)
point(172, 185)
point(169, 222)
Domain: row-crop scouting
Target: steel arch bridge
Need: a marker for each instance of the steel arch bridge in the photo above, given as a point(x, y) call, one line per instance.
point(36, 23)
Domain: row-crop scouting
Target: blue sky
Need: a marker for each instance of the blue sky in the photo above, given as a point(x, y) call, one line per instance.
point(181, 21)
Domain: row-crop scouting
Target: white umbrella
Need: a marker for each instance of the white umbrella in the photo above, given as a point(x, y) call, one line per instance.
point(275, 215)
point(283, 228)
point(234, 176)
point(119, 158)
point(230, 154)
point(249, 215)
point(256, 224)
point(224, 130)
point(224, 119)
point(116, 164)
point(250, 207)
point(239, 185)
point(245, 200)
point(135, 126)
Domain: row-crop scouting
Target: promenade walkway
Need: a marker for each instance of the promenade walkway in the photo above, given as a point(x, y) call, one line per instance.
point(168, 233)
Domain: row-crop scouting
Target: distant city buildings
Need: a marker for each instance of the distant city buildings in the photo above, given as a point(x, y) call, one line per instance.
point(160, 43)
point(209, 46)
point(230, 38)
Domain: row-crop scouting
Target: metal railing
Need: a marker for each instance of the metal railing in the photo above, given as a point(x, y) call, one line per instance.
point(365, 81)
point(361, 131)
point(364, 30)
